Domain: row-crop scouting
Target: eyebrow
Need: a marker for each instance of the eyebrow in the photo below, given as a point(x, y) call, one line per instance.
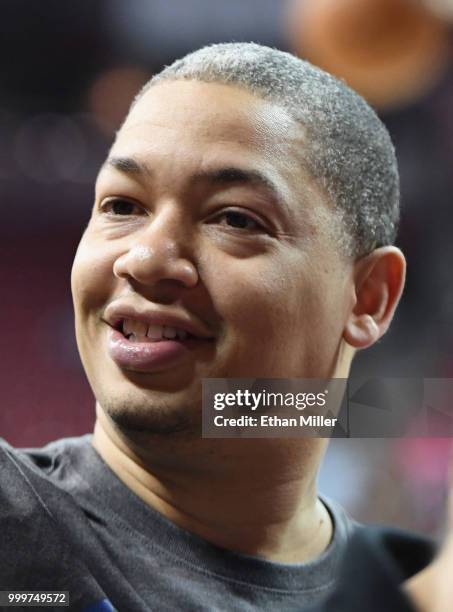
point(128, 165)
point(219, 176)
point(232, 175)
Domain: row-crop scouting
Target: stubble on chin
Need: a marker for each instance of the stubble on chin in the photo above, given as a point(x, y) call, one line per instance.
point(153, 417)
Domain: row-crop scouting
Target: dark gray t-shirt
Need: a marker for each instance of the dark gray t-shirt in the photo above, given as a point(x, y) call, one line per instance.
point(67, 522)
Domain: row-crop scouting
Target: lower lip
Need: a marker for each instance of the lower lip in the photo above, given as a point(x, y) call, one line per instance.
point(146, 356)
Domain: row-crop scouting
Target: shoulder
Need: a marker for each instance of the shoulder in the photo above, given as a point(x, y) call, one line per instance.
point(26, 481)
point(31, 506)
point(376, 562)
point(41, 525)
point(43, 460)
point(396, 552)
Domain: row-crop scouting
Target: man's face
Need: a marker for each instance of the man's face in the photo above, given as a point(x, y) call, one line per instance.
point(205, 222)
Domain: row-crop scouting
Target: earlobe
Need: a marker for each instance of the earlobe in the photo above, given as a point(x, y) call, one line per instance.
point(361, 331)
point(378, 284)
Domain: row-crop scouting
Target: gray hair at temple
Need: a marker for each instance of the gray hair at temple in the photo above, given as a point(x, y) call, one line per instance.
point(350, 153)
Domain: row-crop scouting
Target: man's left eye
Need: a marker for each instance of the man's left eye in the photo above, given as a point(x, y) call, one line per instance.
point(240, 220)
point(120, 207)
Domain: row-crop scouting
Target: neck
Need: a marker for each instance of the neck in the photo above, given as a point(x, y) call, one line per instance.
point(257, 496)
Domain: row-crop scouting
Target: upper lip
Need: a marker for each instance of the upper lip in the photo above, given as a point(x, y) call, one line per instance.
point(117, 312)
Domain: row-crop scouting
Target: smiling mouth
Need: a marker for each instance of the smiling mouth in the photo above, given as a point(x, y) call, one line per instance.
point(138, 331)
point(144, 347)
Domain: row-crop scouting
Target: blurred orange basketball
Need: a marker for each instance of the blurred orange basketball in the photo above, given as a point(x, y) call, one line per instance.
point(391, 51)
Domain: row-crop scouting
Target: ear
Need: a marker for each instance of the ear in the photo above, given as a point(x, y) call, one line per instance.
point(378, 284)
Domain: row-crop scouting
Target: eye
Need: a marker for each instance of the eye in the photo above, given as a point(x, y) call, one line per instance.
point(121, 207)
point(240, 220)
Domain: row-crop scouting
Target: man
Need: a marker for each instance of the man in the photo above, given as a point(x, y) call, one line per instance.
point(242, 227)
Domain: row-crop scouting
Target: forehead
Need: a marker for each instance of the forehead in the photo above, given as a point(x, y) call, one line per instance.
point(207, 118)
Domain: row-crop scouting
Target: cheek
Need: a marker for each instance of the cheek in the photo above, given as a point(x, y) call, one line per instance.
point(92, 278)
point(285, 311)
point(255, 296)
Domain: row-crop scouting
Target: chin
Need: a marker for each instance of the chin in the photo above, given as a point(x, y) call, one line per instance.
point(151, 423)
point(137, 414)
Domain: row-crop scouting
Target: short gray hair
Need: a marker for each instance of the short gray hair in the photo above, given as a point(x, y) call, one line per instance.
point(350, 152)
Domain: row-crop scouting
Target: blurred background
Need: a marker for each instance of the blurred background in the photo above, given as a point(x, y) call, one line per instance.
point(69, 72)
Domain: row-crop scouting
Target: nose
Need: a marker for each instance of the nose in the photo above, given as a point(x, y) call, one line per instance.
point(161, 252)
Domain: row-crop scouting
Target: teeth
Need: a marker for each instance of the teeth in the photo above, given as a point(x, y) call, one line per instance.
point(137, 331)
point(169, 332)
point(138, 328)
point(127, 327)
point(155, 332)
